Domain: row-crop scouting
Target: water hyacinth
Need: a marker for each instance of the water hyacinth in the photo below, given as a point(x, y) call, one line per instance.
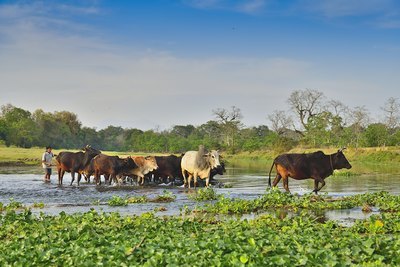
point(94, 238)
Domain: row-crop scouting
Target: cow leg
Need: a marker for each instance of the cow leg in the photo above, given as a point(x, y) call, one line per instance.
point(286, 183)
point(97, 178)
point(316, 187)
point(60, 176)
point(184, 178)
point(79, 177)
point(195, 180)
point(113, 178)
point(73, 177)
point(276, 180)
point(140, 180)
point(189, 179)
point(207, 181)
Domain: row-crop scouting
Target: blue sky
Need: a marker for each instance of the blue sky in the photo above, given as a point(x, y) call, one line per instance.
point(149, 64)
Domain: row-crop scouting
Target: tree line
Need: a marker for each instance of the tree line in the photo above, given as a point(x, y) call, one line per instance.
point(311, 120)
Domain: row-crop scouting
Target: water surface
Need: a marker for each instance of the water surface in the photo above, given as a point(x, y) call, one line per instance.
point(246, 180)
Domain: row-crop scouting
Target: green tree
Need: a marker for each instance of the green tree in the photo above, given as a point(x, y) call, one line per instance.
point(113, 138)
point(18, 127)
point(376, 134)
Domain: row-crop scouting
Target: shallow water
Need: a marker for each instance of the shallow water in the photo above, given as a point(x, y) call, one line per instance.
point(25, 184)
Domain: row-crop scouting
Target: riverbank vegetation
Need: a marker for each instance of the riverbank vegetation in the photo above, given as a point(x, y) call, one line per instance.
point(94, 238)
point(313, 121)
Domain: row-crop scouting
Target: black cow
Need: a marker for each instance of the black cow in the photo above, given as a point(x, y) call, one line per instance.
point(169, 167)
point(111, 167)
point(74, 162)
point(315, 165)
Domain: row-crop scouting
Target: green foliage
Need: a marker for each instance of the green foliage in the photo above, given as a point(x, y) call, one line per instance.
point(92, 239)
point(275, 199)
point(167, 196)
point(376, 135)
point(137, 199)
point(62, 129)
point(39, 205)
point(12, 206)
point(117, 201)
point(203, 194)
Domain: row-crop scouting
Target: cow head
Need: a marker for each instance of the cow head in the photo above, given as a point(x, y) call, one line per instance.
point(213, 159)
point(91, 151)
point(151, 163)
point(340, 161)
point(129, 163)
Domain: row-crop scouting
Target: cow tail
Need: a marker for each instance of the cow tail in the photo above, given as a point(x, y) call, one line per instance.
point(269, 175)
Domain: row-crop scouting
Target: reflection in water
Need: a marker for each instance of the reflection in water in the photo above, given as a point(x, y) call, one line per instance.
point(247, 181)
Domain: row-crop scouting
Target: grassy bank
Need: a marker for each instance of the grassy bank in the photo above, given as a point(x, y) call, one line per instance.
point(374, 155)
point(17, 156)
point(378, 155)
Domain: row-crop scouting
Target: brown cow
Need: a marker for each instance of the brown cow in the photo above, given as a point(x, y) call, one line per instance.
point(315, 165)
point(145, 165)
point(111, 167)
point(74, 162)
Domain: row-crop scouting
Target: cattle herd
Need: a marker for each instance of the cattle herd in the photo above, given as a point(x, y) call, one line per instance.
point(158, 169)
point(201, 164)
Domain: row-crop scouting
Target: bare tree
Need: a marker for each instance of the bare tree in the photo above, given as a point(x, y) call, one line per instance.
point(306, 104)
point(392, 113)
point(230, 124)
point(361, 119)
point(280, 121)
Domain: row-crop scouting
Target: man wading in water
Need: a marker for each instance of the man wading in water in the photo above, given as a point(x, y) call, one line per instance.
point(46, 163)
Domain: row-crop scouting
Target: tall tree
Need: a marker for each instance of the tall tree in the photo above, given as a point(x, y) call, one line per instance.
point(392, 113)
point(18, 126)
point(230, 123)
point(280, 121)
point(361, 119)
point(306, 104)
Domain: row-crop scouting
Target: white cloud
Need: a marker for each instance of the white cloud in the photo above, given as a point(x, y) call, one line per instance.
point(251, 7)
point(247, 6)
point(110, 84)
point(342, 8)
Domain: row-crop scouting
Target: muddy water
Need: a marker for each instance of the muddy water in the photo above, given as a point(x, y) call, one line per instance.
point(246, 180)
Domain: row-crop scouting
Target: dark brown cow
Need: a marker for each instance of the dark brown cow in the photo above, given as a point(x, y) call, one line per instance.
point(315, 165)
point(169, 167)
point(74, 162)
point(111, 167)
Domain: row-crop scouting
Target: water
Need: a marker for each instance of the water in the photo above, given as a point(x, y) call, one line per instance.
point(247, 180)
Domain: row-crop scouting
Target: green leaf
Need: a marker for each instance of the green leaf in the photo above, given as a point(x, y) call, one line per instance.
point(244, 258)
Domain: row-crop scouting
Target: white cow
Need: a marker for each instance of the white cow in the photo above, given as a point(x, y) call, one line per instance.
point(199, 164)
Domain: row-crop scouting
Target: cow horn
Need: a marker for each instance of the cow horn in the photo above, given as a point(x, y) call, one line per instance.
point(341, 150)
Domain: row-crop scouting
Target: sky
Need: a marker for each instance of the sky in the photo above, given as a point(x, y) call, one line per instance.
point(154, 64)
